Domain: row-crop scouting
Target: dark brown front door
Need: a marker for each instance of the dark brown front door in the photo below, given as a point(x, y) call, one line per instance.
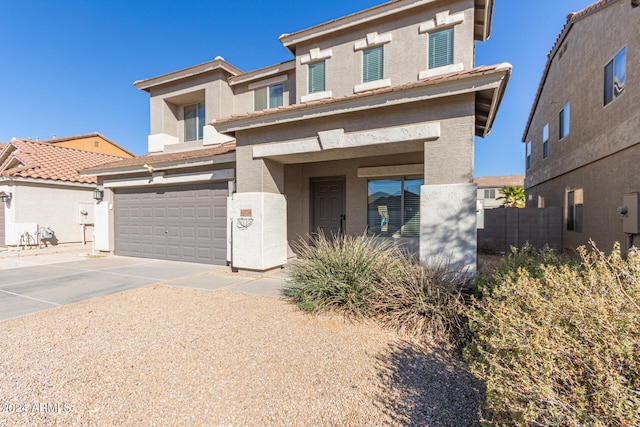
point(328, 206)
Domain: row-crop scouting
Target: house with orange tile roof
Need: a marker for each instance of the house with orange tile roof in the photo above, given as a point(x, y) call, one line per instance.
point(583, 133)
point(368, 128)
point(40, 186)
point(91, 142)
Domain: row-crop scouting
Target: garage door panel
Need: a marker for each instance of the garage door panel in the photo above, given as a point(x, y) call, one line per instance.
point(184, 223)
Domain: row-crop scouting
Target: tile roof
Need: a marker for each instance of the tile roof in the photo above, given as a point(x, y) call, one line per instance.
point(156, 159)
point(32, 159)
point(572, 18)
point(499, 181)
point(441, 78)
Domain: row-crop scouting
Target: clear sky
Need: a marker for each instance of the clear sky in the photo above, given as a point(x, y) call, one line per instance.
point(67, 67)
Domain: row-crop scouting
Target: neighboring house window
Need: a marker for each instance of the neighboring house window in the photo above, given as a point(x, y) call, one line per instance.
point(372, 64)
point(490, 194)
point(268, 97)
point(394, 206)
point(193, 122)
point(574, 210)
point(615, 74)
point(564, 122)
point(441, 48)
point(317, 77)
point(528, 150)
point(545, 141)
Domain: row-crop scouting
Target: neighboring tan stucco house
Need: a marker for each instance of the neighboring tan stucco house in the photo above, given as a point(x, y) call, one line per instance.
point(41, 187)
point(91, 142)
point(489, 188)
point(369, 128)
point(583, 133)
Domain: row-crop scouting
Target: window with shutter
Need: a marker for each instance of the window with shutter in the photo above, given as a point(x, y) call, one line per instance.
point(372, 64)
point(316, 77)
point(441, 48)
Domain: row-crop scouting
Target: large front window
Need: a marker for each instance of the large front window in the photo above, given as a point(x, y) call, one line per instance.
point(394, 206)
point(193, 121)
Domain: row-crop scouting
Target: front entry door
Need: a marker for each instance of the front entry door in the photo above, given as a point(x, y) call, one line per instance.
point(328, 206)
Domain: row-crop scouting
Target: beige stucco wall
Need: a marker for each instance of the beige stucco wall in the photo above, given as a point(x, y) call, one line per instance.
point(243, 97)
point(404, 57)
point(598, 153)
point(49, 206)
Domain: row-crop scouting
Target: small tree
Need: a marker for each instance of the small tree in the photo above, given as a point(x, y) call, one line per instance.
point(512, 196)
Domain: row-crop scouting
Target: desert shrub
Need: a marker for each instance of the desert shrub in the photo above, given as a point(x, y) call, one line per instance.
point(340, 272)
point(425, 301)
point(559, 343)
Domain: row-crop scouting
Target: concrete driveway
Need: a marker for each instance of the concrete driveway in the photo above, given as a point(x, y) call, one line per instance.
point(31, 284)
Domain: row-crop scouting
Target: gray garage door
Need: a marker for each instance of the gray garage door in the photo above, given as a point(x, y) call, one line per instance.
point(2, 235)
point(181, 223)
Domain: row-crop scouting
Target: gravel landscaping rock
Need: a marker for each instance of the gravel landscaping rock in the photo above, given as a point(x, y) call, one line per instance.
point(167, 356)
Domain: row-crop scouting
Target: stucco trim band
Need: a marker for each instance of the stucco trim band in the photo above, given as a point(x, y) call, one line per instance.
point(161, 179)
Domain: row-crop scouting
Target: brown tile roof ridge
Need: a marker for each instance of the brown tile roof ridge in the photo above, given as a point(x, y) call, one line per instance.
point(446, 77)
point(164, 158)
point(572, 18)
point(39, 160)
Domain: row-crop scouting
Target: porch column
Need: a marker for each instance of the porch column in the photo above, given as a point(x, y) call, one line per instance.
point(448, 208)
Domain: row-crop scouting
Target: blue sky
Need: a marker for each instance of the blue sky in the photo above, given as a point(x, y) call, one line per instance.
point(67, 67)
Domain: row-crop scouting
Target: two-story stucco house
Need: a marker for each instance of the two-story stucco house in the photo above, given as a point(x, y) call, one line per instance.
point(369, 128)
point(583, 133)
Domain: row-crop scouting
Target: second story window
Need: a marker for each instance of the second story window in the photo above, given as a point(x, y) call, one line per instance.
point(317, 77)
point(545, 141)
point(441, 48)
point(194, 121)
point(269, 97)
point(564, 122)
point(615, 74)
point(528, 154)
point(490, 194)
point(372, 64)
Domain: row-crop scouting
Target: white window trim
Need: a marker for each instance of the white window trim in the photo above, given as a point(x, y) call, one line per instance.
point(442, 19)
point(316, 55)
point(372, 40)
point(376, 84)
point(269, 82)
point(316, 96)
point(452, 68)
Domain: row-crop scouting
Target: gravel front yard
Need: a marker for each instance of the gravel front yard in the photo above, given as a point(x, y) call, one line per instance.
point(167, 356)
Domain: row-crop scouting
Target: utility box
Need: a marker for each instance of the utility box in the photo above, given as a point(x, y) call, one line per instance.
point(630, 223)
point(85, 213)
point(258, 224)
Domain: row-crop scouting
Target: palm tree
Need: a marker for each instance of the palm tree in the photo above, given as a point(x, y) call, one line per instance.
point(512, 196)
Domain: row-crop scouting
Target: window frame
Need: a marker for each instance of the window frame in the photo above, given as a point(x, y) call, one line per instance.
point(610, 74)
point(265, 93)
point(488, 192)
point(564, 121)
point(200, 121)
point(366, 72)
point(527, 155)
point(575, 210)
point(401, 231)
point(313, 65)
point(450, 60)
point(545, 141)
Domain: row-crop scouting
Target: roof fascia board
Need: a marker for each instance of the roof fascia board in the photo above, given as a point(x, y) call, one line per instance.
point(216, 64)
point(18, 179)
point(262, 73)
point(498, 95)
point(163, 166)
point(422, 93)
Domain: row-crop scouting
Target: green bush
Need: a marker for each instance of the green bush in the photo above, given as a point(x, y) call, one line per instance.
point(559, 343)
point(371, 277)
point(339, 273)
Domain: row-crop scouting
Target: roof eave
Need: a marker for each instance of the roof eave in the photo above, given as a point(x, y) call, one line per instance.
point(216, 64)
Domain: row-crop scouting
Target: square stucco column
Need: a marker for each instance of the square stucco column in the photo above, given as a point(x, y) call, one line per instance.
point(448, 225)
point(258, 175)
